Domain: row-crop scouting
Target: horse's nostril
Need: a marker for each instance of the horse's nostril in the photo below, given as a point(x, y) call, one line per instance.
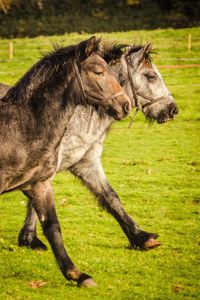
point(126, 108)
point(176, 110)
point(173, 110)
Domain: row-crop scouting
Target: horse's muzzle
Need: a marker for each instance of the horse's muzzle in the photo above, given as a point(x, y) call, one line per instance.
point(121, 107)
point(168, 113)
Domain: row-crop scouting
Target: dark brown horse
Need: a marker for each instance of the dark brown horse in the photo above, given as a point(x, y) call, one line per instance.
point(35, 116)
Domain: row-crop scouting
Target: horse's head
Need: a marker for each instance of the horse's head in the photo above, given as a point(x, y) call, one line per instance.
point(95, 82)
point(142, 81)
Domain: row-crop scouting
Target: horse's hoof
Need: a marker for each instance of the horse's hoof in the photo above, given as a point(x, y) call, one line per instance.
point(86, 280)
point(36, 244)
point(151, 244)
point(145, 241)
point(88, 283)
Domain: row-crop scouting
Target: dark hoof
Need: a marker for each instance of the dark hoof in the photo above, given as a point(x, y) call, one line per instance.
point(145, 241)
point(33, 243)
point(36, 244)
point(86, 281)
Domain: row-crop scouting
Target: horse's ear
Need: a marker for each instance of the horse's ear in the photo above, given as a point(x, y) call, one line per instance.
point(91, 46)
point(147, 48)
point(86, 48)
point(139, 56)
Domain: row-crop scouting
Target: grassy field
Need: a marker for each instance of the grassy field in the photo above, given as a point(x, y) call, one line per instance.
point(156, 172)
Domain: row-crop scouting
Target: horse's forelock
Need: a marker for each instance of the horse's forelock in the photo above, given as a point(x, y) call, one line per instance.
point(112, 51)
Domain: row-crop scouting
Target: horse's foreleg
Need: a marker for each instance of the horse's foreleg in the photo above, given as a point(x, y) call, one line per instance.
point(92, 175)
point(28, 235)
point(42, 198)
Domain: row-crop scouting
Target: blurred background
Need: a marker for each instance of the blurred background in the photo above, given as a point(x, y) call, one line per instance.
point(19, 18)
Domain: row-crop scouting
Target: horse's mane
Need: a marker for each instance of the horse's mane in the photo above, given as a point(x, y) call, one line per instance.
point(52, 68)
point(112, 51)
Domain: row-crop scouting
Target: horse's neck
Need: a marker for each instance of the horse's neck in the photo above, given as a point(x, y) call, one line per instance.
point(87, 123)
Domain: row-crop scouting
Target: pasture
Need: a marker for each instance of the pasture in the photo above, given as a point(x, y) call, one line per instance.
point(154, 169)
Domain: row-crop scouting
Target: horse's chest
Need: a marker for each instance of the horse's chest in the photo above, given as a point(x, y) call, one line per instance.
point(72, 150)
point(81, 134)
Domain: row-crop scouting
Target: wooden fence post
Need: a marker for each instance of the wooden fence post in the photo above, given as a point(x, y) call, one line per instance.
point(11, 50)
point(189, 43)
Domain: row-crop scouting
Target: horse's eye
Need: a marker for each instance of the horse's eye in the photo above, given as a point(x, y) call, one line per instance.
point(150, 76)
point(99, 73)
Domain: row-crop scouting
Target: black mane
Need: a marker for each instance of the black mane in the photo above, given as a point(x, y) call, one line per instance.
point(113, 51)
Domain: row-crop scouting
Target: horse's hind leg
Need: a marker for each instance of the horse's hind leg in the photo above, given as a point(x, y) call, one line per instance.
point(42, 198)
point(28, 235)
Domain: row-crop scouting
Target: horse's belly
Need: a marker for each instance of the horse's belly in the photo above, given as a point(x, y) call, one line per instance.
point(24, 179)
point(25, 169)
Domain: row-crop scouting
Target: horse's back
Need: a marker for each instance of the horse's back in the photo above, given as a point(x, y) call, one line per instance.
point(4, 88)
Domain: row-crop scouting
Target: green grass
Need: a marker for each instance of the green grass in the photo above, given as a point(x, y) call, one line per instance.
point(156, 172)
